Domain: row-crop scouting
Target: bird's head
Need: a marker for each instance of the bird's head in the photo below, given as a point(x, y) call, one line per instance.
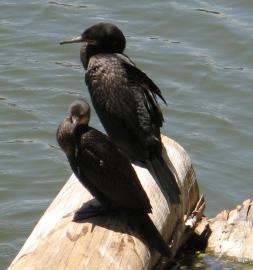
point(79, 112)
point(102, 38)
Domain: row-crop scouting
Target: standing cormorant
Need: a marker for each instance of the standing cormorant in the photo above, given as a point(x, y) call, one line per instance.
point(107, 173)
point(124, 98)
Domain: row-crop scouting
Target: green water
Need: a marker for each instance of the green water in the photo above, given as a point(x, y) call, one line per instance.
point(201, 60)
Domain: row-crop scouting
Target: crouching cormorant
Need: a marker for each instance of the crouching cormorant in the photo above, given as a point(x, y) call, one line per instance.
point(124, 98)
point(107, 173)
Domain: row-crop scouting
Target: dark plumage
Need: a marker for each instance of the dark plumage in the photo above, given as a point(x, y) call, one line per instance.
point(106, 173)
point(124, 98)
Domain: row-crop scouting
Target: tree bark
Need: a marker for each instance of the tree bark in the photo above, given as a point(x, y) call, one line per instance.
point(107, 242)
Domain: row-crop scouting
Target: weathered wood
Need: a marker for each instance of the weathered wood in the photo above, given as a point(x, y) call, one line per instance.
point(230, 233)
point(106, 242)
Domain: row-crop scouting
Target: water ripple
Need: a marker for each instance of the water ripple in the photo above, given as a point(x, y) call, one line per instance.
point(198, 52)
point(67, 5)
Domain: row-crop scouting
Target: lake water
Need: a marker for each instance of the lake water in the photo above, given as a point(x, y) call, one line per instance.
point(199, 53)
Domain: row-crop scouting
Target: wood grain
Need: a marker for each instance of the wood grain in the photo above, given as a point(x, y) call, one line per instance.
point(107, 242)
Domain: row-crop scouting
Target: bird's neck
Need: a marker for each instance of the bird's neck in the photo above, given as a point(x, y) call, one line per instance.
point(86, 53)
point(79, 131)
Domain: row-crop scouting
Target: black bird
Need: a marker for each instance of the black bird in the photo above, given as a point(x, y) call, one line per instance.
point(107, 173)
point(124, 98)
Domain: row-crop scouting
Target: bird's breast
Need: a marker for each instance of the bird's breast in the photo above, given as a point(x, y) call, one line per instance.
point(106, 81)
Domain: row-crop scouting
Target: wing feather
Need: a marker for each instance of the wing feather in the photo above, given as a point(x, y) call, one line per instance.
point(111, 172)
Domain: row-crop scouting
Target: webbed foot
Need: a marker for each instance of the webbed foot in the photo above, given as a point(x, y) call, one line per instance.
point(89, 212)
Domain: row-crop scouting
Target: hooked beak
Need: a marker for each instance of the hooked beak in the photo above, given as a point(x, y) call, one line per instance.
point(77, 40)
point(84, 120)
point(72, 40)
point(74, 120)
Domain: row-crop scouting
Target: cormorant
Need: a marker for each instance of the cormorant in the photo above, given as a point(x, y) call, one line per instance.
point(107, 173)
point(124, 98)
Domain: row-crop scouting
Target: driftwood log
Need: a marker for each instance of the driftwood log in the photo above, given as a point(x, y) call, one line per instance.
point(229, 234)
point(107, 242)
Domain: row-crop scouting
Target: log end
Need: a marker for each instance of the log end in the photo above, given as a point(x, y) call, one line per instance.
point(230, 233)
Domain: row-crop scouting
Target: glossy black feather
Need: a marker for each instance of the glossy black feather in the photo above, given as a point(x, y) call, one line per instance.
point(126, 107)
point(125, 98)
point(108, 174)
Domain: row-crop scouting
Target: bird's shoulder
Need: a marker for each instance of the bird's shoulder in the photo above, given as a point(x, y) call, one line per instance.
point(98, 143)
point(118, 67)
point(104, 62)
point(93, 136)
point(137, 77)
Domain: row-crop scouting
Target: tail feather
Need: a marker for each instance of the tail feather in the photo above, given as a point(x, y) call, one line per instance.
point(165, 174)
point(149, 233)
